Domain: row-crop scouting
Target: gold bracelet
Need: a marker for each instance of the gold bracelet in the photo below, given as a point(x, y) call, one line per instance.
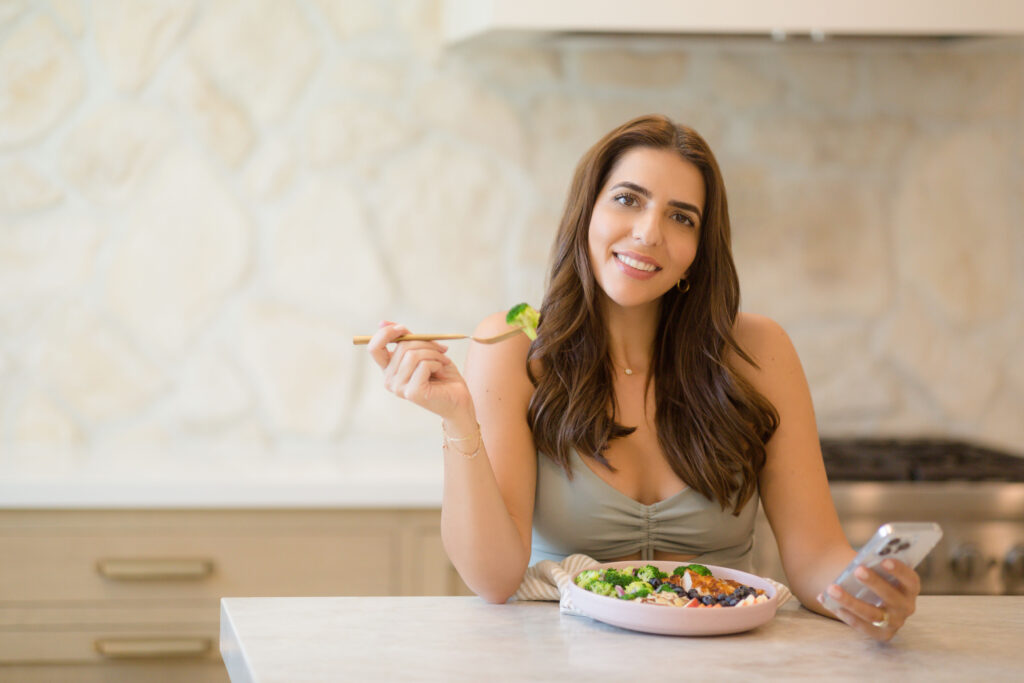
point(445, 442)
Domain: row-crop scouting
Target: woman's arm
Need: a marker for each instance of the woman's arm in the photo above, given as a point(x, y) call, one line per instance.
point(794, 489)
point(487, 505)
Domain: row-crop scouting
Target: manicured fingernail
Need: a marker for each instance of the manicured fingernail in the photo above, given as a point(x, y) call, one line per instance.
point(443, 347)
point(834, 591)
point(821, 598)
point(861, 573)
point(889, 564)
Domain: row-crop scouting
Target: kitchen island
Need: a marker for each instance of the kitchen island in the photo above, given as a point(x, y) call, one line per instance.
point(267, 640)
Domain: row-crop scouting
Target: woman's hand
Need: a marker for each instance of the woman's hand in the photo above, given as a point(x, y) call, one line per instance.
point(898, 602)
point(420, 372)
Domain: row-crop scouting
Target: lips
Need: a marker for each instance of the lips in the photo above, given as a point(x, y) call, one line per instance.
point(636, 265)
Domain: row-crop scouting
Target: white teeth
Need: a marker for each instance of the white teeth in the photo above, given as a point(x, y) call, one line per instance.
point(639, 265)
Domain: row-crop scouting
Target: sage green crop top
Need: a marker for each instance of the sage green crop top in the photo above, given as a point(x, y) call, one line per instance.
point(590, 516)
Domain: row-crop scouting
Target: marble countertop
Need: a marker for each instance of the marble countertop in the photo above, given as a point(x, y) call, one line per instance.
point(953, 638)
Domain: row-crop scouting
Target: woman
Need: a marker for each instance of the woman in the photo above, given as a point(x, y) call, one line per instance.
point(649, 411)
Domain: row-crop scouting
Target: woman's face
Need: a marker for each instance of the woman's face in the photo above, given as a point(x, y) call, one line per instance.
point(646, 225)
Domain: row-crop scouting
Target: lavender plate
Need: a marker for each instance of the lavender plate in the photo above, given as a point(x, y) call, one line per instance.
point(677, 621)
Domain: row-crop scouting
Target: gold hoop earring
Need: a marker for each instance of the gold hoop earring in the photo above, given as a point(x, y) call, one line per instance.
point(681, 290)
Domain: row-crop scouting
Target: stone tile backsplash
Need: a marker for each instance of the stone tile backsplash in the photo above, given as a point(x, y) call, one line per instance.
point(201, 202)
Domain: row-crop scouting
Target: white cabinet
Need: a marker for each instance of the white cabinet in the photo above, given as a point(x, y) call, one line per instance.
point(111, 595)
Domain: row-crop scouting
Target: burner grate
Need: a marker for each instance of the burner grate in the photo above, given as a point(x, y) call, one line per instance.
point(871, 459)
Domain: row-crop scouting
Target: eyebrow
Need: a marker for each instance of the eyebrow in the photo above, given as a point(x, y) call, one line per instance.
point(672, 202)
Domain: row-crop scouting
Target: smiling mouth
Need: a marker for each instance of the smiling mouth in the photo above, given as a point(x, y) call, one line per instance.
point(639, 265)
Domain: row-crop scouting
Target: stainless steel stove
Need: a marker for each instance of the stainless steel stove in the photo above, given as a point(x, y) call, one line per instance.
point(976, 494)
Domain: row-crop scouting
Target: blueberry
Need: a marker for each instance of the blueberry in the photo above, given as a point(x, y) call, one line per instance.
point(708, 599)
point(692, 593)
point(655, 583)
point(731, 602)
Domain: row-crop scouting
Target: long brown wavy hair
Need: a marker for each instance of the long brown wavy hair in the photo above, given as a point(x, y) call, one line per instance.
point(711, 423)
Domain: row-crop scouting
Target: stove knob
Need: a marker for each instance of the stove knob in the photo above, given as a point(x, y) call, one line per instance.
point(965, 561)
point(1013, 564)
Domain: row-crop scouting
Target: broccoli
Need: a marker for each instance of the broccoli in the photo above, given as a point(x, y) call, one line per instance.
point(586, 577)
point(601, 588)
point(695, 568)
point(637, 589)
point(618, 578)
point(525, 316)
point(665, 588)
point(648, 572)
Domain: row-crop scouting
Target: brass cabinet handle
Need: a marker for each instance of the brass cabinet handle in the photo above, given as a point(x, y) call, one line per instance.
point(145, 569)
point(127, 648)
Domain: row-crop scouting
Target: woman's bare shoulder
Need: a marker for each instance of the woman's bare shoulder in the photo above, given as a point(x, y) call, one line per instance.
point(767, 344)
point(502, 364)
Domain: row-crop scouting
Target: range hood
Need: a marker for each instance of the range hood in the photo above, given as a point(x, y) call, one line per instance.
point(486, 20)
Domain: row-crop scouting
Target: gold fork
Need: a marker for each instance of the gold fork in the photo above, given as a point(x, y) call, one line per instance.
point(365, 339)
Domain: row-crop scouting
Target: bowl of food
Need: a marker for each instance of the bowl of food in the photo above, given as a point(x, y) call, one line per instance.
point(674, 598)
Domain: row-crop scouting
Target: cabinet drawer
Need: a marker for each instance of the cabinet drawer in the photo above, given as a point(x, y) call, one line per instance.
point(157, 671)
point(110, 645)
point(205, 557)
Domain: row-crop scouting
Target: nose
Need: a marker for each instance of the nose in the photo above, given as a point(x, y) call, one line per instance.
point(647, 229)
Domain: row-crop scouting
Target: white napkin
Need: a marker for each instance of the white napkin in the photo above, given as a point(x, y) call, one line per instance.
point(548, 580)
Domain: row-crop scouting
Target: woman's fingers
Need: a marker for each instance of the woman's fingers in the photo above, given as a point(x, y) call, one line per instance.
point(908, 578)
point(405, 360)
point(419, 383)
point(898, 602)
point(386, 333)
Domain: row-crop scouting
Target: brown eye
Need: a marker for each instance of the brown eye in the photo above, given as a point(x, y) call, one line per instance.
point(683, 218)
point(626, 199)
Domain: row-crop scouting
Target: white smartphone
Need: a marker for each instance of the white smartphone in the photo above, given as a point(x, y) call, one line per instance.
point(908, 542)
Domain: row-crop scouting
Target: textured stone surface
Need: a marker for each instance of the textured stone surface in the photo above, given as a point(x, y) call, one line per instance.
point(219, 123)
point(39, 421)
point(923, 348)
point(630, 69)
point(823, 239)
point(70, 13)
point(272, 170)
point(512, 68)
point(300, 366)
point(742, 80)
point(23, 187)
point(915, 81)
point(447, 211)
point(43, 259)
point(132, 38)
point(185, 246)
point(384, 78)
point(108, 155)
point(355, 133)
point(10, 10)
point(352, 18)
point(95, 370)
point(211, 391)
point(261, 52)
point(40, 80)
point(231, 189)
point(323, 259)
point(953, 184)
point(471, 112)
